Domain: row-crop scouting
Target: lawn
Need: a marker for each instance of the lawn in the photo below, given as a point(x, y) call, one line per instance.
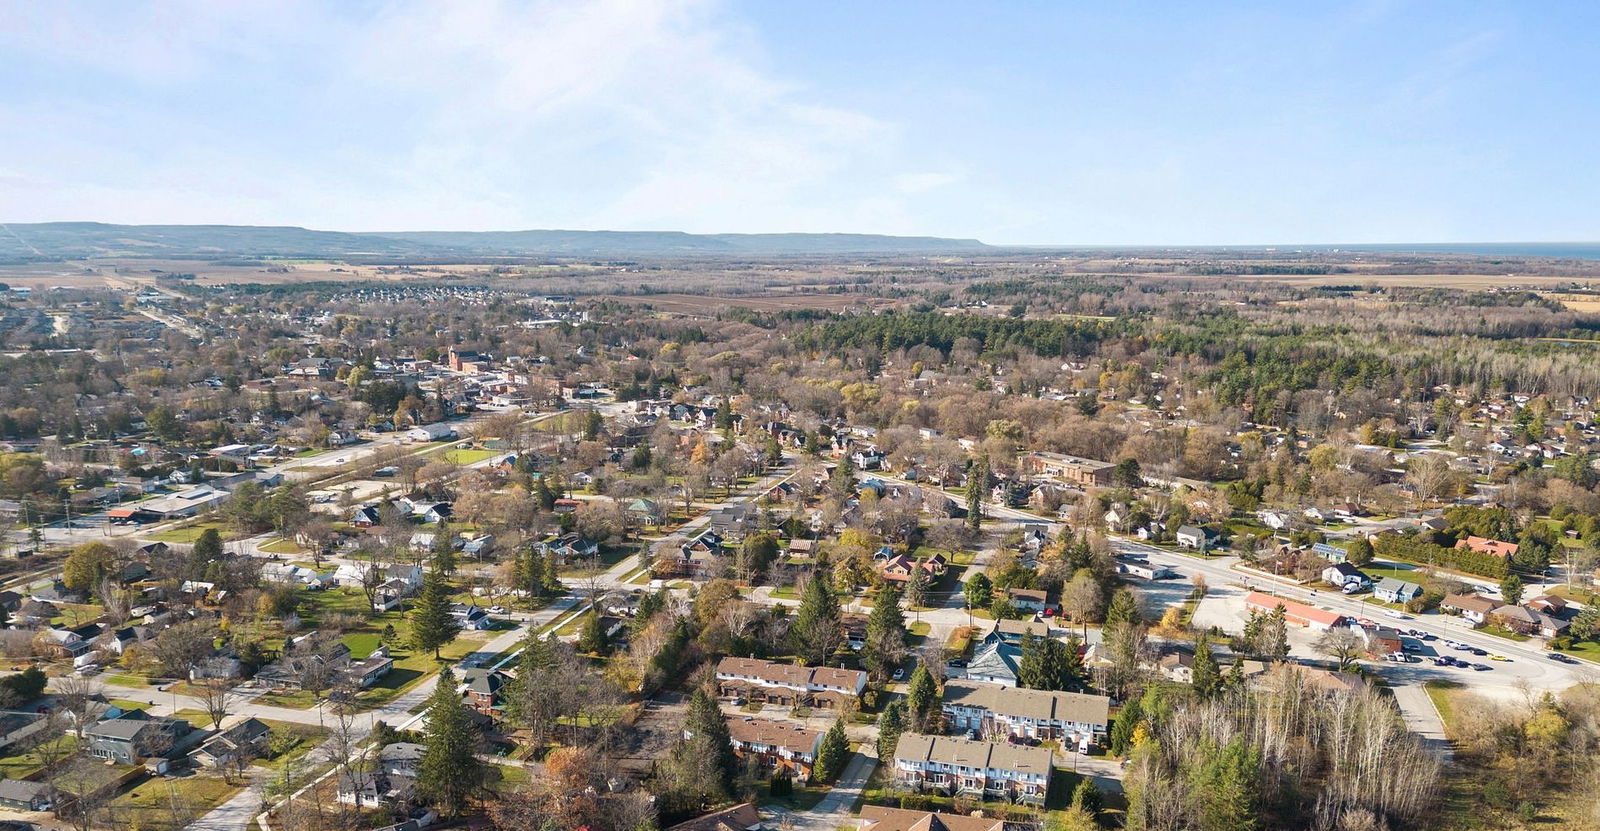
point(508, 778)
point(190, 533)
point(292, 741)
point(23, 764)
point(920, 629)
point(610, 555)
point(458, 456)
point(1443, 694)
point(1584, 649)
point(282, 546)
point(784, 593)
point(150, 804)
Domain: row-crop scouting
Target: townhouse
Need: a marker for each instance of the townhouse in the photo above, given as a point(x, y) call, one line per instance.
point(981, 769)
point(775, 745)
point(787, 684)
point(1034, 714)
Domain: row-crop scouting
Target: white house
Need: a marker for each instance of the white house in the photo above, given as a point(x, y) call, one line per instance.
point(438, 431)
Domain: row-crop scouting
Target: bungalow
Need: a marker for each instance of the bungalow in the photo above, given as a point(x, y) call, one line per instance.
point(996, 662)
point(569, 548)
point(1392, 590)
point(400, 759)
point(566, 506)
point(1294, 612)
point(293, 671)
point(1276, 520)
point(1344, 575)
point(374, 788)
point(437, 431)
point(1484, 545)
point(1473, 608)
point(24, 795)
point(1518, 619)
point(898, 568)
point(1029, 600)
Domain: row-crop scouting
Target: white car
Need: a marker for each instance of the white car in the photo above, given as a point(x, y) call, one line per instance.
point(1396, 615)
point(497, 610)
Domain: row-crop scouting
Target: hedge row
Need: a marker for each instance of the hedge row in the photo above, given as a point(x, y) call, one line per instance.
point(1461, 559)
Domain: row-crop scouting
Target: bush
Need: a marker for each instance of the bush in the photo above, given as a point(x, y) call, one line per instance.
point(916, 802)
point(782, 785)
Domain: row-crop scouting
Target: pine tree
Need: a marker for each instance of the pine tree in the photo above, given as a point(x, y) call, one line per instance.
point(708, 748)
point(1275, 635)
point(832, 755)
point(917, 585)
point(1511, 589)
point(444, 549)
point(1030, 666)
point(1207, 679)
point(1227, 783)
point(1122, 730)
point(815, 634)
point(1587, 623)
point(979, 591)
point(886, 634)
point(431, 624)
point(552, 581)
point(592, 639)
point(922, 699)
point(449, 772)
point(890, 725)
point(977, 483)
point(1061, 666)
point(1087, 796)
point(1124, 608)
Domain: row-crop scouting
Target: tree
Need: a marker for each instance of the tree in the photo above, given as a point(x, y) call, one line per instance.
point(1224, 786)
point(216, 689)
point(592, 639)
point(1511, 589)
point(1341, 644)
point(1124, 608)
point(890, 725)
point(1127, 474)
point(1122, 730)
point(760, 549)
point(432, 625)
point(207, 548)
point(1087, 797)
point(708, 743)
point(1275, 635)
point(87, 565)
point(816, 635)
point(444, 549)
point(977, 484)
point(449, 772)
point(1587, 623)
point(922, 699)
point(917, 585)
point(1359, 552)
point(1207, 678)
point(978, 590)
point(78, 698)
point(885, 645)
point(832, 755)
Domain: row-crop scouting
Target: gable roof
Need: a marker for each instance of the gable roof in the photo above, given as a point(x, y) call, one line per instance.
point(879, 818)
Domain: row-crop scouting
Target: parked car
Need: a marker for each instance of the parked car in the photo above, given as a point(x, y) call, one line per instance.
point(1498, 658)
point(1481, 667)
point(1478, 652)
point(497, 610)
point(899, 673)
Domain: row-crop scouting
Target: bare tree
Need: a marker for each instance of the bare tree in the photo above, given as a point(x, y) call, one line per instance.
point(216, 684)
point(79, 699)
point(1342, 644)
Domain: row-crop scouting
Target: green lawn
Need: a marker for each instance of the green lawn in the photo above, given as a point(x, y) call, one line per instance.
point(466, 457)
point(784, 592)
point(1443, 694)
point(126, 680)
point(148, 805)
point(1584, 649)
point(190, 533)
point(296, 741)
point(23, 764)
point(920, 629)
point(282, 546)
point(610, 555)
point(508, 778)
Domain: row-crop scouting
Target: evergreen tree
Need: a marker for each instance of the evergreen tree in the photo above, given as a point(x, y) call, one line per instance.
point(545, 495)
point(1030, 666)
point(444, 549)
point(890, 725)
point(1224, 787)
point(592, 639)
point(1587, 623)
point(917, 585)
point(886, 635)
point(832, 755)
point(449, 772)
point(977, 484)
point(431, 624)
point(1511, 589)
point(1087, 797)
point(1207, 678)
point(922, 699)
point(759, 550)
point(1122, 729)
point(1062, 666)
point(708, 748)
point(1359, 552)
point(979, 591)
point(1124, 608)
point(552, 582)
point(815, 634)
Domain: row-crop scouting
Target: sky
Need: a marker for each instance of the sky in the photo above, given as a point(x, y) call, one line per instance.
point(1126, 123)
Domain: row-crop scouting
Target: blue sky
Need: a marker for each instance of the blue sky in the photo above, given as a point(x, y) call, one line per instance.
point(1044, 123)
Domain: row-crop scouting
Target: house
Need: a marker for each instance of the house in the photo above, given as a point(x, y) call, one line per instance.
point(16, 726)
point(293, 671)
point(1484, 545)
point(1195, 537)
point(1035, 714)
point(1029, 600)
point(1013, 631)
point(1473, 608)
point(567, 506)
point(481, 687)
point(996, 662)
point(135, 736)
point(879, 818)
point(1344, 574)
point(1294, 612)
point(470, 616)
point(1519, 619)
point(569, 548)
point(1276, 520)
point(732, 517)
point(400, 759)
point(374, 788)
point(57, 592)
point(775, 745)
point(788, 684)
point(742, 817)
point(1331, 553)
point(366, 672)
point(1392, 590)
point(1382, 640)
point(898, 568)
point(23, 795)
point(236, 745)
point(366, 516)
point(980, 769)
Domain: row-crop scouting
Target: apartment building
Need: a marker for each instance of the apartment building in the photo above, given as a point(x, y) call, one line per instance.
point(1033, 714)
point(787, 684)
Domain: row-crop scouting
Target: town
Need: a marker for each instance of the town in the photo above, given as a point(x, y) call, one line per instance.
point(403, 551)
